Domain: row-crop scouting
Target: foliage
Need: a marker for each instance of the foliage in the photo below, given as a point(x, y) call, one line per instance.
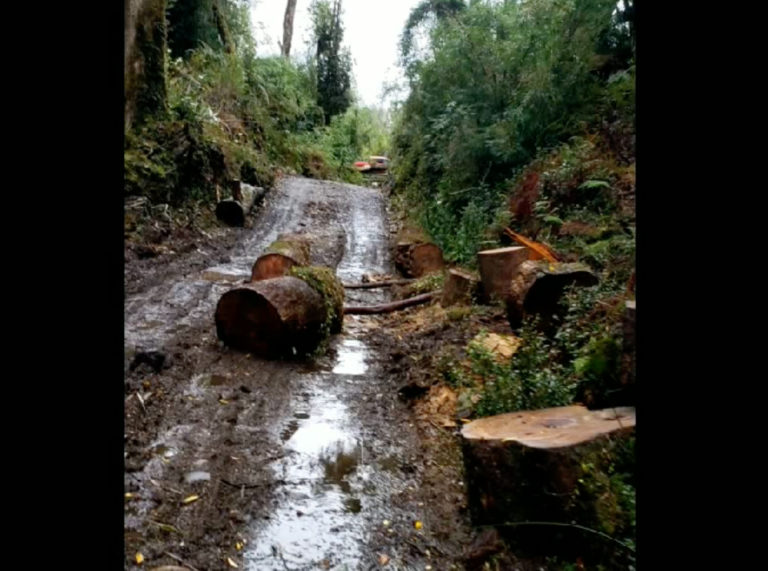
point(332, 64)
point(502, 83)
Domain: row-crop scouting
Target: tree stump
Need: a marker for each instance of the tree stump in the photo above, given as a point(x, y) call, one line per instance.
point(415, 259)
point(497, 269)
point(271, 318)
point(281, 256)
point(526, 466)
point(459, 287)
point(232, 211)
point(538, 287)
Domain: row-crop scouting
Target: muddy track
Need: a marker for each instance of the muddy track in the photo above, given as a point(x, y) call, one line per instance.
point(296, 465)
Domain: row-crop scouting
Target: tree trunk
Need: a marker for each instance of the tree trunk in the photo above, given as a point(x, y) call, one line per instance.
point(287, 251)
point(145, 82)
point(415, 259)
point(538, 287)
point(390, 307)
point(526, 466)
point(498, 268)
point(223, 28)
point(271, 318)
point(459, 287)
point(233, 211)
point(290, 11)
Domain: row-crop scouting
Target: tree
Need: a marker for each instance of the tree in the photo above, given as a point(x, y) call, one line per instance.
point(290, 11)
point(333, 64)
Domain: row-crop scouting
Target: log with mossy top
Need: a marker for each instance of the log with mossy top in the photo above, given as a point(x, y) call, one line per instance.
point(283, 316)
point(282, 255)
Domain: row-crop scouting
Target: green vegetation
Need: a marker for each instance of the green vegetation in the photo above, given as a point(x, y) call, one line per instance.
point(225, 114)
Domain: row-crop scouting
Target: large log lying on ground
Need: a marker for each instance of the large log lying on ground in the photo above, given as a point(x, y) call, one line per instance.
point(272, 318)
point(325, 282)
point(232, 211)
point(390, 307)
point(498, 268)
point(527, 465)
point(538, 286)
point(288, 251)
point(459, 287)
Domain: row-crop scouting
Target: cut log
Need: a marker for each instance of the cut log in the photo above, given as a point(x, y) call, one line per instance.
point(415, 259)
point(459, 287)
point(527, 465)
point(281, 256)
point(498, 268)
point(271, 318)
point(232, 211)
point(538, 287)
point(390, 307)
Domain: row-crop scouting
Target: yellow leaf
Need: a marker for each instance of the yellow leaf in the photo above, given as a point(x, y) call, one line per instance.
point(223, 401)
point(417, 524)
point(232, 563)
point(238, 546)
point(128, 496)
point(139, 559)
point(192, 498)
point(465, 420)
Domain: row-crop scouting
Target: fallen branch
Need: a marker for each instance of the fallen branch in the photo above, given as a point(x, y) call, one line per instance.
point(540, 249)
point(371, 285)
point(390, 307)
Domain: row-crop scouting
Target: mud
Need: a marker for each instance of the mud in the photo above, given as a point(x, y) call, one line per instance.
point(295, 465)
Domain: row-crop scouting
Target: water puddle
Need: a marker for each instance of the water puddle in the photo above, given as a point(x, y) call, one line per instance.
point(317, 521)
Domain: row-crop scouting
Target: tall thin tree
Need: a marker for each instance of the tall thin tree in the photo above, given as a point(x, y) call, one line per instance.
point(290, 11)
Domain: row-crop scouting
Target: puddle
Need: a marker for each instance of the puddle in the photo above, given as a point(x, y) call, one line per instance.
point(351, 358)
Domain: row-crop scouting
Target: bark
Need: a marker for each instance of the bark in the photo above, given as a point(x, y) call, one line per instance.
point(498, 268)
point(459, 287)
point(415, 259)
point(271, 318)
point(538, 287)
point(290, 11)
point(390, 307)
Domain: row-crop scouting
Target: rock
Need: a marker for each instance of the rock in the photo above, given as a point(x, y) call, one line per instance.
point(155, 360)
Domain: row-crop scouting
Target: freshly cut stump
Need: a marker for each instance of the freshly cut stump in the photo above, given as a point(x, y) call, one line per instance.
point(538, 286)
point(271, 318)
point(525, 466)
point(415, 259)
point(459, 287)
point(288, 251)
point(498, 268)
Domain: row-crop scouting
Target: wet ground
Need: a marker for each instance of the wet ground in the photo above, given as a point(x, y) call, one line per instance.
point(238, 462)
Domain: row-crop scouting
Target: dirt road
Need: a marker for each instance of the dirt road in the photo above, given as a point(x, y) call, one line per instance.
point(295, 465)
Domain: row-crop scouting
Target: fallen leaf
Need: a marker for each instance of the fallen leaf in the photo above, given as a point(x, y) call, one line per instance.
point(128, 496)
point(232, 563)
point(238, 546)
point(223, 401)
point(383, 559)
point(417, 524)
point(139, 559)
point(190, 499)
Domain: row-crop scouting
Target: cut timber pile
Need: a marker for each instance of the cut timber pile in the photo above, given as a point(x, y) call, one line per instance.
point(288, 251)
point(232, 211)
point(415, 255)
point(526, 465)
point(538, 286)
point(498, 268)
point(272, 318)
point(459, 287)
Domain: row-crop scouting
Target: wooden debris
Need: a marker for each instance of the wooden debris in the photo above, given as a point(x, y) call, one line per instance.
point(233, 211)
point(498, 268)
point(459, 287)
point(281, 256)
point(390, 307)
